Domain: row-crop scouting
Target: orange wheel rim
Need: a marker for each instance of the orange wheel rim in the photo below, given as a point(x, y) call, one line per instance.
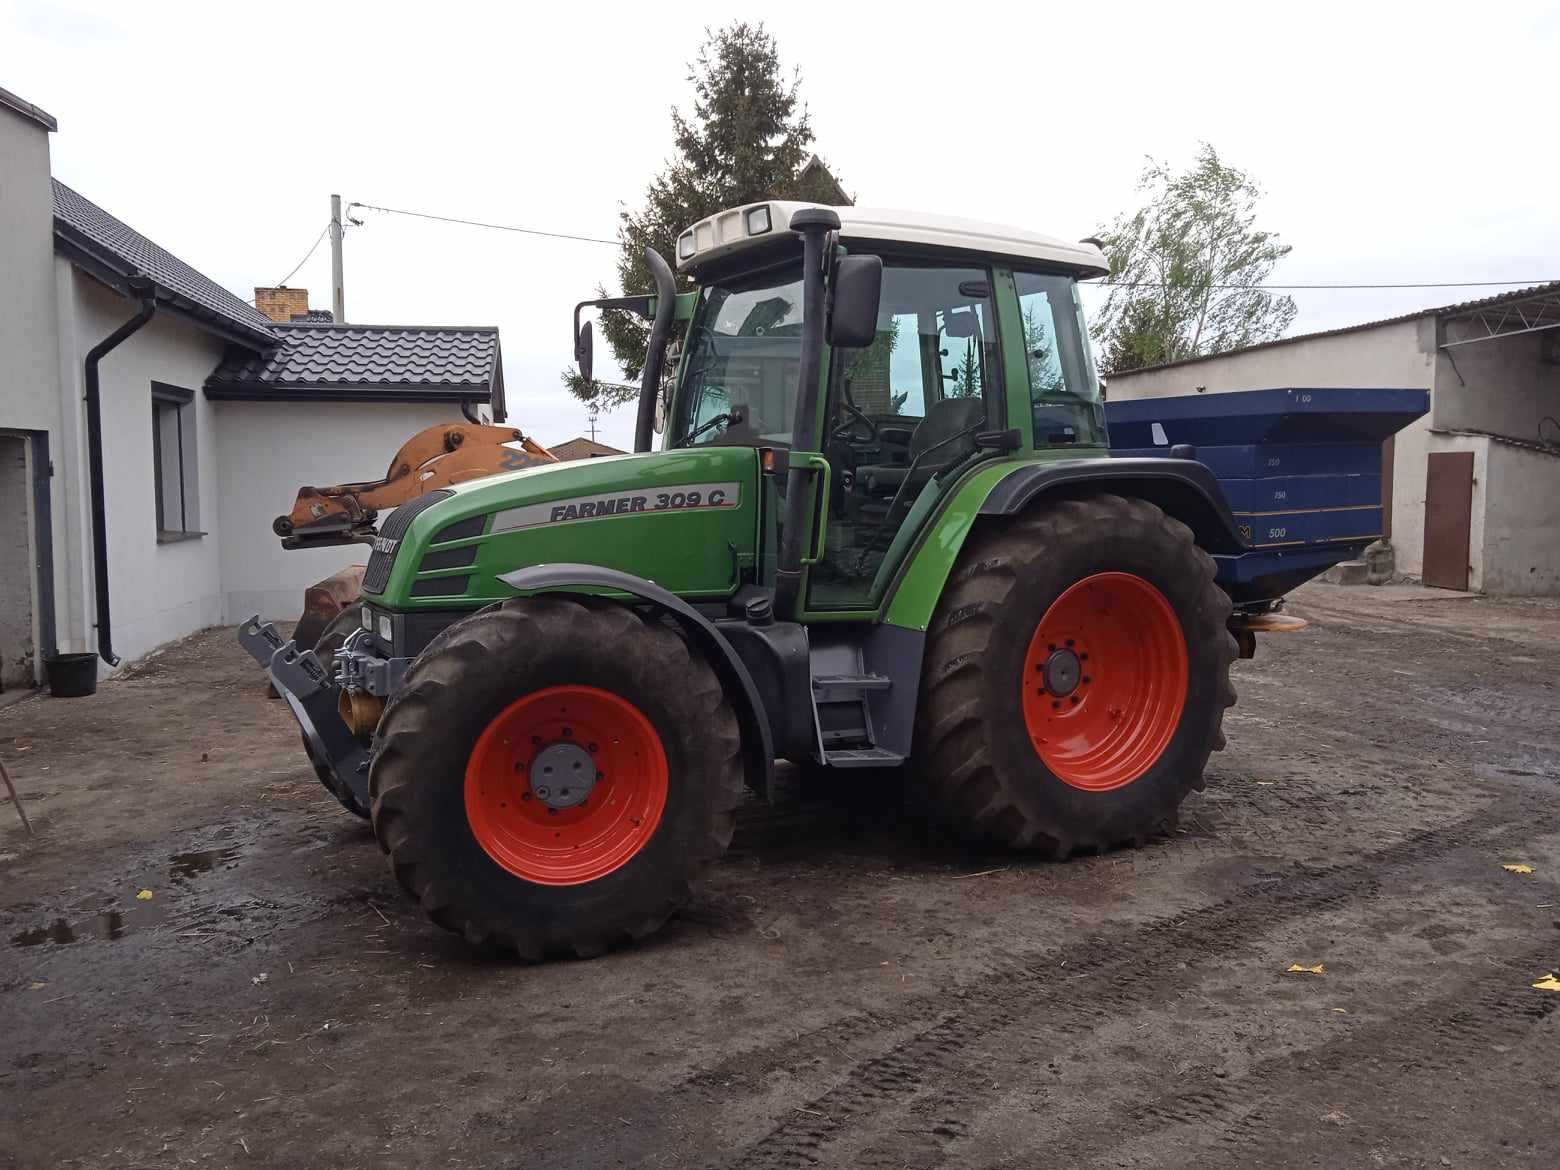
point(1105, 681)
point(566, 785)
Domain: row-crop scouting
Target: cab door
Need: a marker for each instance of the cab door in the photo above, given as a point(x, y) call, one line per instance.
point(900, 420)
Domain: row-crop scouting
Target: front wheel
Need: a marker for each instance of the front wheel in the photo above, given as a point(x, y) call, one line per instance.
point(553, 774)
point(1076, 676)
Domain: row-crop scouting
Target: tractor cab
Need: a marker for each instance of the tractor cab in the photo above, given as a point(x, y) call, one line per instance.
point(943, 342)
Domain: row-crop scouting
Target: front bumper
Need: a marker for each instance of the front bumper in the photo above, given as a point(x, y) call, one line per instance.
point(340, 761)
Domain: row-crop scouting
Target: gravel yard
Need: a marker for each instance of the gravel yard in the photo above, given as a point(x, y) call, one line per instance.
point(843, 992)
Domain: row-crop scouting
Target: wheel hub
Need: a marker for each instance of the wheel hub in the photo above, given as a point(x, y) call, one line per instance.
point(1062, 672)
point(562, 775)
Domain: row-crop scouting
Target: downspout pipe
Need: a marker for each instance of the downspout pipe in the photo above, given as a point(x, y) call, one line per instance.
point(655, 352)
point(143, 288)
point(814, 225)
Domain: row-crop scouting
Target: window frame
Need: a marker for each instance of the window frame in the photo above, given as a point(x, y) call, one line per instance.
point(1083, 356)
point(165, 397)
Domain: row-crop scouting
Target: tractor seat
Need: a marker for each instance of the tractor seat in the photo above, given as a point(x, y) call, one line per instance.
point(945, 420)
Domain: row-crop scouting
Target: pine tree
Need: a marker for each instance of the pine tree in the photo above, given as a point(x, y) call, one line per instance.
point(746, 139)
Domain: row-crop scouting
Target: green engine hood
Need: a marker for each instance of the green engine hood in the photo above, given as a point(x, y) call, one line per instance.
point(683, 519)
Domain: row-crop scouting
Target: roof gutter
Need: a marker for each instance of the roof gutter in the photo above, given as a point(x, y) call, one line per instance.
point(143, 288)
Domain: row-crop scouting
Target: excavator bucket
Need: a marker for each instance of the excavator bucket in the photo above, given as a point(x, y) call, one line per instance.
point(433, 458)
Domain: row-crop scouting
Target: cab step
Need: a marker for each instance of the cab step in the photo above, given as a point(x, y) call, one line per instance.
point(862, 758)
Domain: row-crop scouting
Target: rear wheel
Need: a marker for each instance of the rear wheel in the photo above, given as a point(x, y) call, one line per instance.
point(1076, 676)
point(553, 774)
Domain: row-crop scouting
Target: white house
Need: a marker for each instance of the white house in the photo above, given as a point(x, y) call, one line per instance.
point(211, 417)
point(1471, 490)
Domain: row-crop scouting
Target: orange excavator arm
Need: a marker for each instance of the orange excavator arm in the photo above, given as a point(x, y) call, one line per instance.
point(439, 456)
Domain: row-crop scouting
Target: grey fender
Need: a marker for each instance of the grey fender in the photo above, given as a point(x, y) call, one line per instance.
point(758, 753)
point(1184, 488)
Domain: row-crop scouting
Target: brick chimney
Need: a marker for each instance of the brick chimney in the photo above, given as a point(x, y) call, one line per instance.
point(282, 304)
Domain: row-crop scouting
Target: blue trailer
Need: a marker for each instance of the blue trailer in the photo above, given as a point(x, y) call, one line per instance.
point(1301, 469)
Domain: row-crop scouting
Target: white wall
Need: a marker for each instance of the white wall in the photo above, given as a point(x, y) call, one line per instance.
point(158, 592)
point(266, 451)
point(1502, 385)
point(29, 387)
point(1398, 356)
point(28, 328)
point(1521, 521)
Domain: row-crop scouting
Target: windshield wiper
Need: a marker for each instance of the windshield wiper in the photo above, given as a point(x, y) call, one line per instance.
point(728, 416)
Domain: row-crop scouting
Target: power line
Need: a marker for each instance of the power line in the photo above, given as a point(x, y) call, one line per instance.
point(1101, 284)
point(1286, 287)
point(501, 227)
point(283, 282)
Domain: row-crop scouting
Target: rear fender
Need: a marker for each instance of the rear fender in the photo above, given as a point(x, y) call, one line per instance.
point(1184, 488)
point(758, 753)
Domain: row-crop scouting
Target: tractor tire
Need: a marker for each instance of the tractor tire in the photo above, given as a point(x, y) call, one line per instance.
point(465, 789)
point(325, 648)
point(1076, 675)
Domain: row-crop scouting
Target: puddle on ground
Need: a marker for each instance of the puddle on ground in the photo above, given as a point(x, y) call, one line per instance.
point(184, 866)
point(115, 923)
point(106, 925)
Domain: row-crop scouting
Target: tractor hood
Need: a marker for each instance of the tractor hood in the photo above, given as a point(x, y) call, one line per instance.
point(686, 519)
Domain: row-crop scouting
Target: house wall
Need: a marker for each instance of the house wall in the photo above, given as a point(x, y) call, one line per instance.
point(1398, 355)
point(1520, 521)
point(268, 450)
point(28, 327)
point(29, 388)
point(158, 592)
point(1502, 386)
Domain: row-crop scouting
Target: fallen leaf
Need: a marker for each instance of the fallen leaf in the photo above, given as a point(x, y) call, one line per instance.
point(1547, 983)
point(37, 985)
point(1341, 1011)
point(144, 896)
point(258, 979)
point(1517, 867)
point(1297, 969)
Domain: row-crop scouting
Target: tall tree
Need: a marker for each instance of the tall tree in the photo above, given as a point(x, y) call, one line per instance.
point(746, 139)
point(1188, 266)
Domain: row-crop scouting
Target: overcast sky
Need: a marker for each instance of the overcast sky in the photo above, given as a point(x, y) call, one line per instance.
point(1396, 142)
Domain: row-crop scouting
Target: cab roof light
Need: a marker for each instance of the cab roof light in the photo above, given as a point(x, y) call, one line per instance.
point(758, 220)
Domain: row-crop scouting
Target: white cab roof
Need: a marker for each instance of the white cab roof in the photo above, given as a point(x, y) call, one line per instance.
point(728, 232)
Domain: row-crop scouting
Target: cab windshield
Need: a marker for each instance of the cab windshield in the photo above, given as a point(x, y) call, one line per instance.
point(740, 363)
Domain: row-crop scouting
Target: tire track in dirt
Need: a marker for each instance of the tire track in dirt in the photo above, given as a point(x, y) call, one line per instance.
point(1284, 803)
point(1103, 978)
point(1240, 1115)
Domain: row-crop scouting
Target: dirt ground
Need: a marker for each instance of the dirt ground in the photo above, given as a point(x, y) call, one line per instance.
point(841, 993)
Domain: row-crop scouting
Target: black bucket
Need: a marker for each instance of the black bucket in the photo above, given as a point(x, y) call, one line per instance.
point(71, 676)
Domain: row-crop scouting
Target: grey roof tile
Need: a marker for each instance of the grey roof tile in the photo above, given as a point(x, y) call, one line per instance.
point(115, 240)
point(384, 357)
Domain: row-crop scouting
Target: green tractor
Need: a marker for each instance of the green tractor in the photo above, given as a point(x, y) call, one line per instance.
point(882, 528)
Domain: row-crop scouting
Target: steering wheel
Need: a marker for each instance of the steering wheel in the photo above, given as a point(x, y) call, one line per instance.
point(850, 429)
point(847, 430)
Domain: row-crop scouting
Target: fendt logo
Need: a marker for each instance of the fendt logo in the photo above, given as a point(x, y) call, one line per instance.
point(383, 544)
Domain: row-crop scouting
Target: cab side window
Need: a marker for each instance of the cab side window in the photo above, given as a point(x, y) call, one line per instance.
point(901, 412)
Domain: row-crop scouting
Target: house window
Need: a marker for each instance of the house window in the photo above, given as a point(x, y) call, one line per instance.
point(174, 464)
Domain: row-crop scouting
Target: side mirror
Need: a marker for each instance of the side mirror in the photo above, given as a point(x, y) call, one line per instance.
point(585, 352)
point(858, 291)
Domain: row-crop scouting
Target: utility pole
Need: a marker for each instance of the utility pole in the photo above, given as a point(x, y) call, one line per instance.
point(595, 412)
point(338, 292)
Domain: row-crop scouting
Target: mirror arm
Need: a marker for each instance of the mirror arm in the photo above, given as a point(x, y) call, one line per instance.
point(655, 351)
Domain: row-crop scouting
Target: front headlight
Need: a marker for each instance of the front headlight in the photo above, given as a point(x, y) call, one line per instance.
point(386, 629)
point(368, 618)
